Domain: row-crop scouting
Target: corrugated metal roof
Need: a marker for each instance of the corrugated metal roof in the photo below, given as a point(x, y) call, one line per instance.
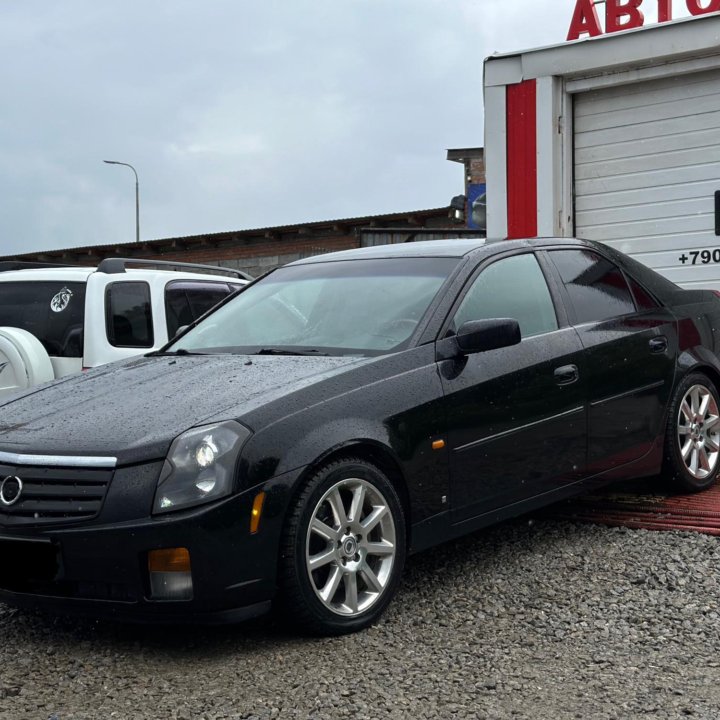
point(362, 220)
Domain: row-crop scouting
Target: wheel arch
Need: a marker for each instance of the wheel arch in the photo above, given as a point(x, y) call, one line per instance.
point(698, 359)
point(373, 452)
point(712, 372)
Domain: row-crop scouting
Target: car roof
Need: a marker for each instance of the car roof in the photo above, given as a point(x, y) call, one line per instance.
point(449, 248)
point(453, 247)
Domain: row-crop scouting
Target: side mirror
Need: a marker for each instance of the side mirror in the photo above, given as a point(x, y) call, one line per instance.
point(180, 331)
point(477, 336)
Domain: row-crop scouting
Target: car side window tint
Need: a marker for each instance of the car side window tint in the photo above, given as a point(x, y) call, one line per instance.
point(187, 300)
point(128, 316)
point(597, 288)
point(513, 287)
point(205, 296)
point(177, 309)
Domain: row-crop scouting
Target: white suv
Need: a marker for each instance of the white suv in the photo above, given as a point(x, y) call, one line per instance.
point(58, 320)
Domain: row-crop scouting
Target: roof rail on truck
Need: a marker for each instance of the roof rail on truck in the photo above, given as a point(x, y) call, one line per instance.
point(113, 266)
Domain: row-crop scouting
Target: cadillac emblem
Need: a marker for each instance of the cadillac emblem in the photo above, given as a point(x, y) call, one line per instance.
point(10, 490)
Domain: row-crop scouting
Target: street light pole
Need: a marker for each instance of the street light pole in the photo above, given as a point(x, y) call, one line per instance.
point(137, 196)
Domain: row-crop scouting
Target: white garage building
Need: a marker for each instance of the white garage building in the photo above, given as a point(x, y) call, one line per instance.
point(615, 138)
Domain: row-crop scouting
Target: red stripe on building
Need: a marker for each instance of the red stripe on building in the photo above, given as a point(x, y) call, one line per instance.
point(521, 160)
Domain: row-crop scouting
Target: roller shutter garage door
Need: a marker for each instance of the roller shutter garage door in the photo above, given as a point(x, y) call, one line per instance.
point(647, 165)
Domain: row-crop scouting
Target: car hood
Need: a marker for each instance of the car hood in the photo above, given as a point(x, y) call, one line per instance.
point(133, 410)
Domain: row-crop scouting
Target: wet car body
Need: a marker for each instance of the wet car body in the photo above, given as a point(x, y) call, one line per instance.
point(467, 439)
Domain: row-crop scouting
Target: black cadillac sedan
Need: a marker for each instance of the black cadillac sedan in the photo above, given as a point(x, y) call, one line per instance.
point(296, 443)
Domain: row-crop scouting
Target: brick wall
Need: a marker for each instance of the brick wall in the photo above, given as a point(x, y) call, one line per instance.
point(257, 258)
point(476, 171)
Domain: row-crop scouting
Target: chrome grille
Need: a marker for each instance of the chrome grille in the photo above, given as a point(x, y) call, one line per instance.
point(54, 494)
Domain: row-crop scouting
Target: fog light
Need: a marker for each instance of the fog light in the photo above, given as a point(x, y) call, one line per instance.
point(170, 574)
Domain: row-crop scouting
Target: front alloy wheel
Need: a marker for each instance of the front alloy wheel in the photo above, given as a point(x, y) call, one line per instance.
point(351, 546)
point(343, 548)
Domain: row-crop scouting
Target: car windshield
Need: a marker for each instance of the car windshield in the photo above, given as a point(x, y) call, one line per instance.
point(53, 311)
point(362, 307)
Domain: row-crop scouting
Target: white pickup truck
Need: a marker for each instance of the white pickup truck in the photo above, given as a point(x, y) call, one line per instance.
point(57, 320)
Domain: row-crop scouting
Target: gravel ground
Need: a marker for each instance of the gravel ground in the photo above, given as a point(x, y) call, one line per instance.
point(536, 619)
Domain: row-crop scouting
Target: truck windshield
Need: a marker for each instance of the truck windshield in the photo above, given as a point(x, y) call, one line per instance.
point(344, 307)
point(52, 311)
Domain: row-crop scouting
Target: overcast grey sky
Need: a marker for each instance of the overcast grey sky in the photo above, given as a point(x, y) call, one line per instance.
point(240, 113)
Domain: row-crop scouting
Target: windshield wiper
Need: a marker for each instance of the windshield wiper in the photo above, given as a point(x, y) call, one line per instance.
point(285, 351)
point(172, 353)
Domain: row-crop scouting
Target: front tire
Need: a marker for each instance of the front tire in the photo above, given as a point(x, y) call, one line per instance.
point(692, 441)
point(343, 549)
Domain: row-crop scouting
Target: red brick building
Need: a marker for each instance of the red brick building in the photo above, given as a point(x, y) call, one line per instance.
point(258, 250)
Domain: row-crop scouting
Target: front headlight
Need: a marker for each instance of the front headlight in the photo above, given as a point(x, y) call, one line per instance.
point(200, 466)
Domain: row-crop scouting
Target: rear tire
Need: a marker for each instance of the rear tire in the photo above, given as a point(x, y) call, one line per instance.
point(343, 549)
point(692, 440)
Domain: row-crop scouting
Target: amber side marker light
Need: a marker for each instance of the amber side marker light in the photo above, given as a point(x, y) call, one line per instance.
point(170, 574)
point(438, 444)
point(256, 512)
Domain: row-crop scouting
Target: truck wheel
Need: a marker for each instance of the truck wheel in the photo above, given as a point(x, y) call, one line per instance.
point(692, 441)
point(24, 362)
point(343, 549)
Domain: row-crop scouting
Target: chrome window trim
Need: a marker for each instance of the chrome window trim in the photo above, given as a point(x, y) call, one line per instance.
point(87, 461)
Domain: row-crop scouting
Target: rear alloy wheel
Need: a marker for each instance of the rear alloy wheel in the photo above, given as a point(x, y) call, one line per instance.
point(693, 438)
point(344, 548)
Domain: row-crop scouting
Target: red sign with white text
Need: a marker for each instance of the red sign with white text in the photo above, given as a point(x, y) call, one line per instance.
point(627, 14)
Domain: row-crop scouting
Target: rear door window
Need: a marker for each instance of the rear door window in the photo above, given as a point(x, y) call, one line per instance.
point(597, 288)
point(187, 300)
point(53, 311)
point(128, 315)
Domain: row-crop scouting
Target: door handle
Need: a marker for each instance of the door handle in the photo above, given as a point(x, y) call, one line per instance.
point(658, 345)
point(566, 375)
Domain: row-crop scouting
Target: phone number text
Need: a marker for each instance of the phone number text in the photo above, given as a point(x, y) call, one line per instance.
point(700, 257)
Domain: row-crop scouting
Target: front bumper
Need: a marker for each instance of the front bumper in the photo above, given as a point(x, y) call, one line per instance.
point(100, 569)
